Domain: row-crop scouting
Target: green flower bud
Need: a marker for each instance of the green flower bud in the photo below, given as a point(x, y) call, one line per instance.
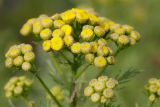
point(108, 93)
point(103, 99)
point(89, 58)
point(26, 66)
point(95, 97)
point(13, 80)
point(18, 61)
point(158, 92)
point(20, 83)
point(111, 60)
point(29, 56)
point(28, 82)
point(8, 94)
point(45, 34)
point(99, 86)
point(88, 91)
point(94, 47)
point(99, 31)
point(9, 62)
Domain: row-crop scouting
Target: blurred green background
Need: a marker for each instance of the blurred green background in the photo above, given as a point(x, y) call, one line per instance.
point(144, 15)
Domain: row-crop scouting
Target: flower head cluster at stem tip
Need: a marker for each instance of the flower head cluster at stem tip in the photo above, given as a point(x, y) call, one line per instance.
point(153, 88)
point(57, 92)
point(20, 56)
point(17, 86)
point(101, 89)
point(81, 32)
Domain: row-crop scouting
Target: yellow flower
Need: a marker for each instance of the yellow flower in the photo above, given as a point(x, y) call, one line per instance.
point(37, 27)
point(88, 91)
point(120, 31)
point(8, 94)
point(132, 41)
point(99, 31)
point(9, 62)
point(108, 93)
point(93, 19)
point(76, 48)
point(85, 47)
point(81, 17)
point(26, 48)
point(114, 27)
point(45, 34)
point(18, 90)
point(26, 29)
point(94, 47)
point(102, 42)
point(95, 97)
point(152, 97)
point(67, 29)
point(127, 28)
point(31, 21)
point(58, 33)
point(89, 58)
point(55, 16)
point(100, 61)
point(46, 45)
point(26, 66)
point(57, 43)
point(93, 82)
point(29, 56)
point(105, 26)
point(68, 16)
point(99, 86)
point(153, 88)
point(14, 52)
point(102, 50)
point(103, 78)
point(111, 60)
point(123, 40)
point(88, 27)
point(114, 36)
point(68, 40)
point(87, 34)
point(135, 35)
point(18, 61)
point(46, 22)
point(58, 23)
point(111, 83)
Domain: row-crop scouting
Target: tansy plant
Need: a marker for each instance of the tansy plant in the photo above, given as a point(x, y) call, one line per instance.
point(77, 39)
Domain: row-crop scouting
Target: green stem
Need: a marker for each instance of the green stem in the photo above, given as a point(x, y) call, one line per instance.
point(58, 68)
point(11, 103)
point(82, 71)
point(64, 56)
point(48, 91)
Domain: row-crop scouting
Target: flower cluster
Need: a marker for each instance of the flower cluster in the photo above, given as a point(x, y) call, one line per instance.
point(101, 89)
point(57, 92)
point(17, 86)
point(81, 32)
point(20, 56)
point(153, 89)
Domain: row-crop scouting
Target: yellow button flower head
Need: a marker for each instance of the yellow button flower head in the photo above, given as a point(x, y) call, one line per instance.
point(46, 22)
point(111, 60)
point(135, 35)
point(132, 41)
point(99, 86)
point(31, 21)
point(81, 17)
point(93, 19)
point(29, 56)
point(26, 48)
point(89, 58)
point(87, 34)
point(100, 61)
point(95, 97)
point(108, 93)
point(103, 99)
point(18, 61)
point(46, 45)
point(99, 31)
point(102, 42)
point(58, 23)
point(102, 50)
point(111, 83)
point(105, 26)
point(120, 31)
point(88, 27)
point(9, 62)
point(114, 27)
point(93, 82)
point(114, 36)
point(152, 98)
point(45, 34)
point(94, 47)
point(85, 47)
point(57, 43)
point(56, 16)
point(68, 40)
point(102, 78)
point(68, 16)
point(88, 91)
point(76, 48)
point(127, 28)
point(58, 33)
point(26, 29)
point(14, 52)
point(37, 27)
point(123, 40)
point(67, 29)
point(26, 66)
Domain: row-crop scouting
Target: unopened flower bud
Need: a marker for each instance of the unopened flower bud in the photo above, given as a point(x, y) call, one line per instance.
point(57, 43)
point(99, 86)
point(45, 34)
point(46, 22)
point(9, 62)
point(100, 61)
point(89, 58)
point(58, 23)
point(95, 97)
point(76, 48)
point(88, 91)
point(85, 47)
point(68, 40)
point(99, 31)
point(26, 29)
point(46, 45)
point(123, 40)
point(29, 56)
point(18, 61)
point(87, 34)
point(152, 98)
point(26, 66)
point(111, 60)
point(108, 93)
point(67, 29)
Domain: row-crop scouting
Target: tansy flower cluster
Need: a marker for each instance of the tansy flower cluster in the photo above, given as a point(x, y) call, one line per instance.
point(101, 89)
point(153, 89)
point(20, 56)
point(17, 86)
point(57, 92)
point(81, 32)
